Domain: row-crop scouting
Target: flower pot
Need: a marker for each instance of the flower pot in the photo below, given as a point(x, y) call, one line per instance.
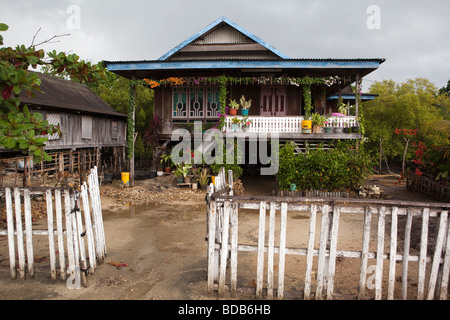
point(355, 129)
point(346, 130)
point(306, 126)
point(159, 173)
point(152, 174)
point(233, 112)
point(293, 187)
point(187, 179)
point(317, 129)
point(327, 129)
point(179, 179)
point(245, 128)
point(234, 127)
point(244, 112)
point(194, 186)
point(338, 130)
point(167, 169)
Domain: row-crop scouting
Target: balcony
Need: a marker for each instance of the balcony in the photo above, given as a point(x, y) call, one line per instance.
point(291, 127)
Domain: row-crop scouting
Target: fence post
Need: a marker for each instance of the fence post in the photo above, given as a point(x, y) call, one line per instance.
point(10, 225)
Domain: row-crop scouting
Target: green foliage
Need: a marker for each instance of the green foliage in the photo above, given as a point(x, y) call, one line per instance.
point(19, 128)
point(412, 105)
point(236, 155)
point(343, 167)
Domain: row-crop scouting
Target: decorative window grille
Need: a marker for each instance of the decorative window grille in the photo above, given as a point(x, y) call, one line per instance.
point(86, 127)
point(179, 103)
point(54, 119)
point(196, 107)
point(212, 105)
point(195, 102)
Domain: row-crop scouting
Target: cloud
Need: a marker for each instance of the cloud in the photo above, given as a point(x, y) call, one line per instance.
point(413, 36)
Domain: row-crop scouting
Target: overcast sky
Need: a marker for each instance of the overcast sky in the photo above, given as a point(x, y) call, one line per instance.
point(412, 35)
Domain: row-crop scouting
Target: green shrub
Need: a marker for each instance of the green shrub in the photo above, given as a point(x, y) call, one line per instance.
point(343, 167)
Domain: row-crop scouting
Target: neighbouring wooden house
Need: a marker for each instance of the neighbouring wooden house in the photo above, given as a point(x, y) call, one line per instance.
point(89, 125)
point(188, 81)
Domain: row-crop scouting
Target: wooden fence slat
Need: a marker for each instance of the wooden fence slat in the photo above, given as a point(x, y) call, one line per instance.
point(79, 234)
point(261, 234)
point(211, 244)
point(19, 230)
point(29, 232)
point(69, 230)
point(364, 252)
point(224, 249)
point(423, 254)
point(392, 253)
point(380, 251)
point(322, 262)
point(406, 247)
point(270, 250)
point(310, 254)
point(88, 225)
point(51, 241)
point(282, 250)
point(234, 247)
point(333, 246)
point(60, 233)
point(445, 267)
point(10, 226)
point(437, 254)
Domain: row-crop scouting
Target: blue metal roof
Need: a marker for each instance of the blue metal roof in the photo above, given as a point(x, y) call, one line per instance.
point(212, 26)
point(242, 64)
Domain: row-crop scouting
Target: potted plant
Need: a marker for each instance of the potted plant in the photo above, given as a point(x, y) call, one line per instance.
point(246, 122)
point(245, 104)
point(318, 122)
point(179, 175)
point(328, 128)
point(203, 178)
point(233, 107)
point(306, 122)
point(167, 160)
point(185, 168)
point(235, 124)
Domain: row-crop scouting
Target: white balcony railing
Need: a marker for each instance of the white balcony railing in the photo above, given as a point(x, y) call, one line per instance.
point(291, 124)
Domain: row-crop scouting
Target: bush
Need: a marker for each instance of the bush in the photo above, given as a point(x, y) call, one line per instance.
point(343, 167)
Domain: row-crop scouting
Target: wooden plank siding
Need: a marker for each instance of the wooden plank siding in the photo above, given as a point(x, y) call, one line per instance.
point(102, 132)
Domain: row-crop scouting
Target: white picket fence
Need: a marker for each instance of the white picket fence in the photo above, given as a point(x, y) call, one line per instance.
point(78, 228)
point(291, 124)
point(224, 213)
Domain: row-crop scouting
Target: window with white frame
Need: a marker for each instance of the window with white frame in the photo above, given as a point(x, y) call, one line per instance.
point(195, 102)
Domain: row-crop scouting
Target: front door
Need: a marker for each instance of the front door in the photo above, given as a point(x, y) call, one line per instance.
point(273, 101)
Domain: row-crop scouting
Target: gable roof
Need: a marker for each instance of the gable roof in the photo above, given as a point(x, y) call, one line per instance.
point(223, 31)
point(69, 96)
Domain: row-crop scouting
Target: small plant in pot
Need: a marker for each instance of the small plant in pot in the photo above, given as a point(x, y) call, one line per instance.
point(166, 159)
point(203, 178)
point(235, 124)
point(233, 107)
point(245, 104)
point(318, 122)
point(183, 170)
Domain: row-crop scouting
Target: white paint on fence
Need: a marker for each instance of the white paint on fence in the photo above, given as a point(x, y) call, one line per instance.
point(223, 245)
point(78, 233)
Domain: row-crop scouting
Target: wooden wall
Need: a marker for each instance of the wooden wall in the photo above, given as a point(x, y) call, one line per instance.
point(163, 100)
point(102, 132)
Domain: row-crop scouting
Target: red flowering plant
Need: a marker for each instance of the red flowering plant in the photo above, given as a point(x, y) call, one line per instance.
point(407, 135)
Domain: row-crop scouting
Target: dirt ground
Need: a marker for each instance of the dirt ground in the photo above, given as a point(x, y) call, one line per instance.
point(156, 249)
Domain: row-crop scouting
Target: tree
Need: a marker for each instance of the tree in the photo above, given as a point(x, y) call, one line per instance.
point(20, 129)
point(409, 105)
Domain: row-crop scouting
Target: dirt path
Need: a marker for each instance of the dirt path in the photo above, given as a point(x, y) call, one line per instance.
point(155, 250)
